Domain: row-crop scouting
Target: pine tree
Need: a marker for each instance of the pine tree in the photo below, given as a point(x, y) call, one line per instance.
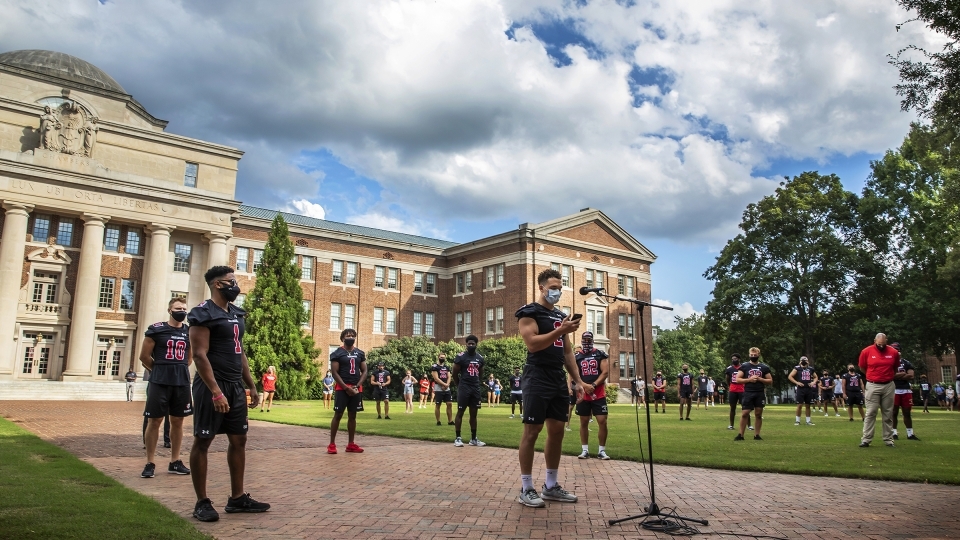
point(275, 319)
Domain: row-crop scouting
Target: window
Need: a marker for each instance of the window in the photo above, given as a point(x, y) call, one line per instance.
point(128, 290)
point(946, 373)
point(257, 259)
point(106, 293)
point(351, 273)
point(241, 298)
point(499, 312)
point(102, 363)
point(65, 232)
point(594, 278)
point(458, 324)
point(490, 321)
point(337, 272)
point(41, 228)
point(631, 365)
point(349, 314)
point(335, 316)
point(425, 282)
point(566, 310)
point(45, 287)
point(307, 310)
point(463, 323)
point(428, 324)
point(133, 242)
point(306, 268)
point(465, 282)
point(595, 321)
point(501, 268)
point(418, 282)
point(417, 323)
point(243, 255)
point(391, 321)
point(111, 238)
point(626, 325)
point(565, 272)
point(623, 365)
point(378, 320)
point(115, 365)
point(392, 274)
point(378, 274)
point(181, 257)
point(430, 287)
point(190, 175)
point(625, 285)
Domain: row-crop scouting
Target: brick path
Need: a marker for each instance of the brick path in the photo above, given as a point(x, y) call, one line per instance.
point(389, 491)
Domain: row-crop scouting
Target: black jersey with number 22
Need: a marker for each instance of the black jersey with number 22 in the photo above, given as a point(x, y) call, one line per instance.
point(226, 338)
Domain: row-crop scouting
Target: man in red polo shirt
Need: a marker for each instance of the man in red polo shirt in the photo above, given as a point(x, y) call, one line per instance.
point(879, 363)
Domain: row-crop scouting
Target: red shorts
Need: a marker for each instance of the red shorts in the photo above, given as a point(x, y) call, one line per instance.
point(904, 401)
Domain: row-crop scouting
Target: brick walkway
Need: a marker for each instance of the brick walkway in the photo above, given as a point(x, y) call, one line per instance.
point(390, 491)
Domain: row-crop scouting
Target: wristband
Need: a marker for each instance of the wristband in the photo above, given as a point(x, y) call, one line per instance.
point(217, 397)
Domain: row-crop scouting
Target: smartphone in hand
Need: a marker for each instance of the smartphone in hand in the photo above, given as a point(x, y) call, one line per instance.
point(576, 316)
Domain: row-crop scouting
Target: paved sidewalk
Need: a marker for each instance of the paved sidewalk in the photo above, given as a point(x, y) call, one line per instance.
point(413, 489)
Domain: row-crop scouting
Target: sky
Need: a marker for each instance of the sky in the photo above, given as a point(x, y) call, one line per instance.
point(459, 120)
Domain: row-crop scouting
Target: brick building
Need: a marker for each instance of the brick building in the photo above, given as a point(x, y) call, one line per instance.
point(98, 201)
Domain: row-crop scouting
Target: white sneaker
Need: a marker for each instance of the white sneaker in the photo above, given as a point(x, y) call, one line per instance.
point(566, 428)
point(511, 416)
point(531, 498)
point(583, 455)
point(810, 424)
point(838, 415)
point(557, 493)
point(729, 427)
point(797, 423)
point(828, 414)
point(458, 443)
point(477, 442)
point(750, 428)
point(603, 455)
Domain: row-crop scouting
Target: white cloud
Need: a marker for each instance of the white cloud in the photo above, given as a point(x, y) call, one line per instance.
point(307, 208)
point(381, 221)
point(666, 319)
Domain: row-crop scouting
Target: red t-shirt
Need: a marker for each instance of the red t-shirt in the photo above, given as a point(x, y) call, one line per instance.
point(269, 382)
point(424, 386)
point(879, 365)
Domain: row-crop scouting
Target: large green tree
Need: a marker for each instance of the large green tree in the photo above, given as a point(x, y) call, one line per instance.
point(276, 316)
point(688, 343)
point(417, 353)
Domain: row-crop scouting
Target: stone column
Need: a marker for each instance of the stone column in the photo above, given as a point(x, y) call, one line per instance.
point(84, 316)
point(14, 240)
point(154, 294)
point(216, 249)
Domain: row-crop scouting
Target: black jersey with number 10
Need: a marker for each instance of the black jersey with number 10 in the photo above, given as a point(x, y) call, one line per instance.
point(547, 321)
point(226, 338)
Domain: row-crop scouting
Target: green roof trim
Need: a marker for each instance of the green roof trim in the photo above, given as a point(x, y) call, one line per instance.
point(314, 223)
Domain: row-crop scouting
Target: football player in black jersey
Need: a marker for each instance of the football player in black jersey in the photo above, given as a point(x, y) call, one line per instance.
point(903, 396)
point(853, 390)
point(544, 330)
point(440, 372)
point(804, 376)
point(467, 370)
point(219, 399)
point(826, 385)
point(166, 352)
point(685, 389)
point(592, 364)
point(516, 392)
point(659, 392)
point(755, 376)
point(348, 365)
point(380, 381)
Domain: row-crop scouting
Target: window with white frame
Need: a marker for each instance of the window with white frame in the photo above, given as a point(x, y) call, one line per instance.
point(625, 323)
point(501, 271)
point(623, 365)
point(378, 320)
point(491, 321)
point(41, 228)
point(458, 324)
point(132, 245)
point(566, 271)
point(111, 238)
point(307, 308)
point(349, 315)
point(45, 287)
point(428, 324)
point(238, 301)
point(499, 315)
point(464, 282)
point(417, 323)
point(257, 259)
point(306, 268)
point(351, 273)
point(425, 282)
point(392, 278)
point(105, 300)
point(566, 310)
point(595, 321)
point(391, 321)
point(65, 232)
point(631, 364)
point(181, 257)
point(418, 282)
point(946, 373)
point(243, 257)
point(490, 277)
point(128, 294)
point(190, 174)
point(379, 275)
point(336, 272)
point(335, 310)
point(625, 285)
point(594, 278)
point(463, 323)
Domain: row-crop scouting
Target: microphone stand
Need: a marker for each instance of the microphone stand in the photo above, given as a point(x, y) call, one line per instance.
point(652, 517)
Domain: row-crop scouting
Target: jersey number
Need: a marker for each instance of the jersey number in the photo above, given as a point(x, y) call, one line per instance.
point(733, 377)
point(559, 342)
point(805, 376)
point(236, 339)
point(473, 370)
point(176, 350)
point(353, 366)
point(589, 367)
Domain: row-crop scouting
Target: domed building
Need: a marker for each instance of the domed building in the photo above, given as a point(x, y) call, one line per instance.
point(106, 217)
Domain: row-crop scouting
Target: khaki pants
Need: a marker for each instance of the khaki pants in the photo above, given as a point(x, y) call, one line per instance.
point(879, 396)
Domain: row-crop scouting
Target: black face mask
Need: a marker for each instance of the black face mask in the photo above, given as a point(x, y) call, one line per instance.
point(803, 363)
point(736, 362)
point(754, 358)
point(179, 316)
point(348, 342)
point(685, 370)
point(230, 293)
point(852, 371)
point(881, 347)
point(471, 348)
point(442, 360)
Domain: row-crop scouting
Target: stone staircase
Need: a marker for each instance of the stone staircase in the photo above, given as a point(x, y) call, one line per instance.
point(69, 391)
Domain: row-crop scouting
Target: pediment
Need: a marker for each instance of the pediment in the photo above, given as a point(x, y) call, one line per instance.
point(593, 227)
point(594, 233)
point(49, 255)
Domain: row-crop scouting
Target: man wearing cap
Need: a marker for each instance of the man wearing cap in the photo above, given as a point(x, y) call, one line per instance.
point(903, 396)
point(879, 363)
point(592, 364)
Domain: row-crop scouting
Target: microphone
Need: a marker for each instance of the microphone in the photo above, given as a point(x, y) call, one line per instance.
point(587, 290)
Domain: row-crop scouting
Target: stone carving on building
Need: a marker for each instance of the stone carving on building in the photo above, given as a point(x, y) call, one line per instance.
point(68, 129)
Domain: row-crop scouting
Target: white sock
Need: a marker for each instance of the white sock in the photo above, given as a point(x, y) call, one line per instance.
point(551, 478)
point(808, 419)
point(895, 432)
point(798, 419)
point(602, 448)
point(586, 447)
point(909, 432)
point(526, 481)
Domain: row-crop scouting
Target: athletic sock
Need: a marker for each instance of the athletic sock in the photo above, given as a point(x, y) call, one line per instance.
point(526, 481)
point(602, 448)
point(551, 478)
point(808, 419)
point(909, 432)
point(586, 447)
point(895, 432)
point(798, 419)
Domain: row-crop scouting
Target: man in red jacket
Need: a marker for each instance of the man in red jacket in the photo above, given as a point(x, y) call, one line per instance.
point(879, 363)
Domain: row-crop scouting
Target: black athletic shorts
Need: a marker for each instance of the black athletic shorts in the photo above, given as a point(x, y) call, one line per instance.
point(838, 396)
point(735, 398)
point(572, 400)
point(381, 394)
point(164, 399)
point(702, 393)
point(686, 393)
point(854, 399)
point(344, 401)
point(545, 394)
point(597, 407)
point(516, 397)
point(806, 395)
point(443, 397)
point(659, 396)
point(468, 397)
point(207, 422)
point(753, 400)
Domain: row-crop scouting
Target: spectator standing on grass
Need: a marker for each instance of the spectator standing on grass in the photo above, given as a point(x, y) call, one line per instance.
point(853, 391)
point(269, 382)
point(424, 391)
point(349, 367)
point(732, 374)
point(685, 389)
point(634, 387)
point(702, 392)
point(720, 391)
point(838, 392)
point(957, 386)
point(131, 378)
point(941, 395)
point(756, 377)
point(380, 380)
point(642, 389)
point(441, 388)
point(879, 364)
point(328, 383)
point(826, 385)
point(711, 390)
point(516, 392)
point(903, 396)
point(949, 394)
point(924, 392)
point(409, 382)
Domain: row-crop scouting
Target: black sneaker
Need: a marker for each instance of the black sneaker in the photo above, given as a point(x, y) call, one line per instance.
point(379, 417)
point(451, 423)
point(913, 437)
point(245, 503)
point(166, 445)
point(864, 444)
point(757, 438)
point(149, 471)
point(738, 437)
point(688, 418)
point(204, 511)
point(177, 467)
point(387, 417)
point(896, 437)
point(438, 422)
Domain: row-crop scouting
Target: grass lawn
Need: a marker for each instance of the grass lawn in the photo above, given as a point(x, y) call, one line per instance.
point(45, 492)
point(829, 448)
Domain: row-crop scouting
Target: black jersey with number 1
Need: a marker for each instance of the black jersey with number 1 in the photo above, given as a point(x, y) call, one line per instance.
point(349, 365)
point(226, 338)
point(171, 354)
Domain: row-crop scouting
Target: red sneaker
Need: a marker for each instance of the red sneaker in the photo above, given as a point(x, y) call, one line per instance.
point(332, 448)
point(353, 447)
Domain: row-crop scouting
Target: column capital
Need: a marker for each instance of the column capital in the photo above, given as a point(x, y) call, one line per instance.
point(94, 219)
point(14, 208)
point(159, 228)
point(217, 237)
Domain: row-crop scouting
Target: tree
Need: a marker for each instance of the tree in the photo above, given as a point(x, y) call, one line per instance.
point(688, 343)
point(777, 283)
point(275, 319)
point(418, 354)
point(501, 355)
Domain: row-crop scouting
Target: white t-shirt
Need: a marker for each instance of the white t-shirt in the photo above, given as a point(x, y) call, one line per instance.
point(710, 386)
point(838, 387)
point(640, 385)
